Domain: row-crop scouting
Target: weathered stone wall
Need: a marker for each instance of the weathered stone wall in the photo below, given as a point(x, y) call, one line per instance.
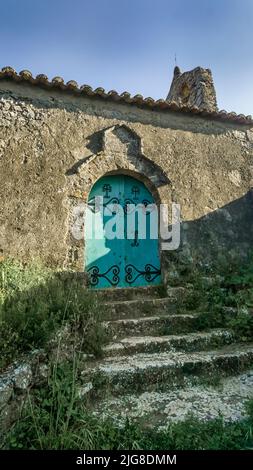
point(54, 146)
point(193, 88)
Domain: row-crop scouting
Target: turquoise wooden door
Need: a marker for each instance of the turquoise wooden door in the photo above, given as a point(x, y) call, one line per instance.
point(121, 261)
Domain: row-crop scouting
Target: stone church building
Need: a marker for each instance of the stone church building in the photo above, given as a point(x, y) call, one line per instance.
point(61, 145)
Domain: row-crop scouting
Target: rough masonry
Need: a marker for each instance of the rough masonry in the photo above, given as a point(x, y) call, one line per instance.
point(57, 139)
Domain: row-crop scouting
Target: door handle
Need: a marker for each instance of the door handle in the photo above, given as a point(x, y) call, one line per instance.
point(135, 242)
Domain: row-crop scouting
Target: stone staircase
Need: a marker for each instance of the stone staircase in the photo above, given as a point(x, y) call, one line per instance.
point(158, 367)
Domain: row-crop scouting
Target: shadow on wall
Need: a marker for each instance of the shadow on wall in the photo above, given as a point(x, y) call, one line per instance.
point(95, 144)
point(218, 238)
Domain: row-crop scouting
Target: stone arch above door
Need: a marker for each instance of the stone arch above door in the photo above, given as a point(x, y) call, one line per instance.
point(114, 149)
point(117, 147)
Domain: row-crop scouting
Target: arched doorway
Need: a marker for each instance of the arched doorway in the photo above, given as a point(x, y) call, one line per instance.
point(130, 256)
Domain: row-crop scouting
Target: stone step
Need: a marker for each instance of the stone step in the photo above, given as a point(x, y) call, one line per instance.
point(155, 325)
point(165, 371)
point(151, 344)
point(158, 409)
point(137, 293)
point(140, 307)
point(130, 293)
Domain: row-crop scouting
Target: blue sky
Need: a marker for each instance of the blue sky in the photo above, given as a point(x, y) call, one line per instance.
point(130, 45)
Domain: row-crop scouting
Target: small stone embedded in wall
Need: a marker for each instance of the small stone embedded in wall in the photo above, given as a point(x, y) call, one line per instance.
point(250, 136)
point(235, 177)
point(239, 135)
point(22, 376)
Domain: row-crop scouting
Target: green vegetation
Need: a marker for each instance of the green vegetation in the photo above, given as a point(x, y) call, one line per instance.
point(224, 301)
point(35, 302)
point(55, 418)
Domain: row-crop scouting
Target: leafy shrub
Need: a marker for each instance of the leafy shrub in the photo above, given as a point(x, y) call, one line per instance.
point(192, 300)
point(235, 290)
point(16, 277)
point(242, 276)
point(35, 302)
point(242, 324)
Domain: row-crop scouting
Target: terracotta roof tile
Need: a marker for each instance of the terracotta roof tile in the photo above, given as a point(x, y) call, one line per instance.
point(42, 79)
point(125, 97)
point(25, 74)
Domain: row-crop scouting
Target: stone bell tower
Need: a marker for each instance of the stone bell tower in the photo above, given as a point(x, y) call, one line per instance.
point(193, 88)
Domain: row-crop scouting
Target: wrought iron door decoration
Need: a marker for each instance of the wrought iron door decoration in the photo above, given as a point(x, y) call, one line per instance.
point(132, 273)
point(135, 191)
point(114, 201)
point(135, 242)
point(107, 189)
point(111, 275)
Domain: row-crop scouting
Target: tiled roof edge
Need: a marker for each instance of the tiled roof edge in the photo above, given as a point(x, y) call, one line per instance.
point(125, 97)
